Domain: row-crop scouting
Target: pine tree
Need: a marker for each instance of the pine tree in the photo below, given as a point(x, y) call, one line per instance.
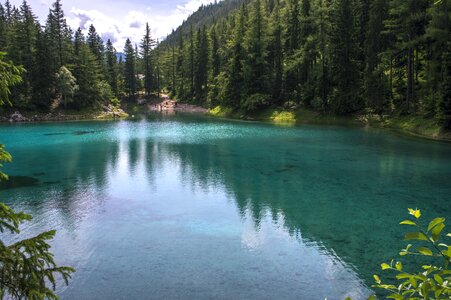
point(95, 43)
point(407, 23)
point(146, 48)
point(59, 35)
point(439, 60)
point(293, 27)
point(111, 67)
point(191, 61)
point(180, 68)
point(375, 90)
point(255, 63)
point(344, 56)
point(215, 55)
point(3, 28)
point(42, 73)
point(277, 54)
point(129, 69)
point(201, 72)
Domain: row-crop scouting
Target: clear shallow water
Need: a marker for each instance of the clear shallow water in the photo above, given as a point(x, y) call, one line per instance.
point(188, 207)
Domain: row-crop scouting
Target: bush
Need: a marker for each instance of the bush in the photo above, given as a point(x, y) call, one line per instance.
point(431, 281)
point(255, 101)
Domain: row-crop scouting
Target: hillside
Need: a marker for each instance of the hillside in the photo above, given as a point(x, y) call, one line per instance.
point(205, 15)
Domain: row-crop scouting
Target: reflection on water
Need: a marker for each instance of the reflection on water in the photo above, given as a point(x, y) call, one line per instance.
point(188, 207)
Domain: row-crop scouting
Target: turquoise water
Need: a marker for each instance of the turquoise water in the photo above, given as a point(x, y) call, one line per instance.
point(187, 207)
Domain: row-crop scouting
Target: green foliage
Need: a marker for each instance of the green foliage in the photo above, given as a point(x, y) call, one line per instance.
point(255, 102)
point(430, 281)
point(4, 157)
point(27, 266)
point(66, 84)
point(129, 69)
point(10, 75)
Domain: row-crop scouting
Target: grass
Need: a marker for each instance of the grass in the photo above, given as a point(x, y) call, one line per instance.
point(412, 125)
point(221, 111)
point(418, 126)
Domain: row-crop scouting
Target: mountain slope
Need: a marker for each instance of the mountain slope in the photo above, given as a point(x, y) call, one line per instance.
point(205, 15)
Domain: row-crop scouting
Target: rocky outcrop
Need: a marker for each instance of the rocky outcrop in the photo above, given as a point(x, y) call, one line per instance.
point(17, 117)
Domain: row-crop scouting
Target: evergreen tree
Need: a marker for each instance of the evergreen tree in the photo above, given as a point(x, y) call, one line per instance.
point(42, 73)
point(191, 61)
point(344, 60)
point(95, 44)
point(180, 68)
point(3, 28)
point(146, 48)
point(59, 35)
point(376, 91)
point(407, 23)
point(232, 93)
point(201, 72)
point(255, 63)
point(111, 67)
point(129, 69)
point(277, 54)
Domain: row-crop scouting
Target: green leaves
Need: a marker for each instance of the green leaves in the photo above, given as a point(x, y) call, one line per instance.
point(408, 222)
point(27, 266)
point(416, 236)
point(430, 281)
point(435, 222)
point(424, 251)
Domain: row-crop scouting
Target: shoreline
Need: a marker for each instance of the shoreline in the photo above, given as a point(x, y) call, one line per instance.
point(412, 126)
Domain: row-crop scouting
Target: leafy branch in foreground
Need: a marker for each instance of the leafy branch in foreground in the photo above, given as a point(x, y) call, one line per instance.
point(434, 280)
point(27, 266)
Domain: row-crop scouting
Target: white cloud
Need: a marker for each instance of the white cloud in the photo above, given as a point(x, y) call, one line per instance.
point(132, 24)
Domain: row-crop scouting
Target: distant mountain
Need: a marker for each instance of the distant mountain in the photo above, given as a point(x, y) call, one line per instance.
point(120, 55)
point(205, 15)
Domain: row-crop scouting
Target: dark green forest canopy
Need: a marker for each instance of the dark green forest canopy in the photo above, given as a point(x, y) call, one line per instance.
point(334, 56)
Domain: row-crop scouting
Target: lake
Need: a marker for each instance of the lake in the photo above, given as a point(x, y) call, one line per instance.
point(191, 207)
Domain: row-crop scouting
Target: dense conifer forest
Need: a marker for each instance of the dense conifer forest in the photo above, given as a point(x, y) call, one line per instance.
point(387, 57)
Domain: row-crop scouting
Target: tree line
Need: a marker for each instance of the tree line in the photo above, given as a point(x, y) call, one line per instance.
point(67, 68)
point(334, 56)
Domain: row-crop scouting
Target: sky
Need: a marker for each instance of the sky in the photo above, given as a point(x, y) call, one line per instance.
point(119, 19)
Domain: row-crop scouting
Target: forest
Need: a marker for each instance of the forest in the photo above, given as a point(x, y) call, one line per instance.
point(340, 57)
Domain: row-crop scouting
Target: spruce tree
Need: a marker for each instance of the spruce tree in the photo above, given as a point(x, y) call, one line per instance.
point(344, 55)
point(233, 87)
point(255, 63)
point(376, 93)
point(277, 54)
point(202, 64)
point(95, 44)
point(111, 67)
point(146, 51)
point(129, 69)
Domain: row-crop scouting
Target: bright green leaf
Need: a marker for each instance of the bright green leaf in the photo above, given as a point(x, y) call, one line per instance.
point(435, 222)
point(385, 266)
point(438, 279)
point(408, 222)
point(416, 236)
point(377, 279)
point(437, 230)
point(398, 266)
point(424, 251)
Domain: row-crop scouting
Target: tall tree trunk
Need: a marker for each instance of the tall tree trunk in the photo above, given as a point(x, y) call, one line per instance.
point(410, 83)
